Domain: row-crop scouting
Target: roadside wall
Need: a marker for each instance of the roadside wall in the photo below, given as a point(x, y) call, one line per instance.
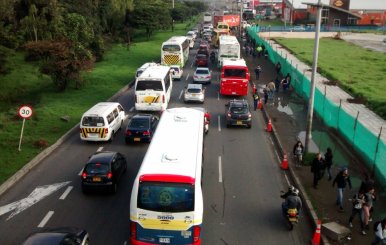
point(357, 124)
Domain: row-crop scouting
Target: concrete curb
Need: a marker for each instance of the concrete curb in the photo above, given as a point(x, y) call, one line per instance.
point(46, 152)
point(306, 200)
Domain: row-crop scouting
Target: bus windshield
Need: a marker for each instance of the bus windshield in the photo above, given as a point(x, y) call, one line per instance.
point(149, 85)
point(166, 197)
point(171, 47)
point(240, 73)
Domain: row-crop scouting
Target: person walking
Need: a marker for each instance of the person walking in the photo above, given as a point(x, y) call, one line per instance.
point(358, 200)
point(369, 199)
point(341, 179)
point(257, 71)
point(259, 51)
point(277, 84)
point(328, 161)
point(317, 167)
point(298, 152)
point(271, 89)
point(380, 232)
point(265, 90)
point(255, 101)
point(278, 67)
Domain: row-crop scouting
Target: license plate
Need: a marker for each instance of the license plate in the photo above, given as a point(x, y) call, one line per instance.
point(239, 122)
point(292, 219)
point(91, 135)
point(137, 139)
point(164, 239)
point(96, 179)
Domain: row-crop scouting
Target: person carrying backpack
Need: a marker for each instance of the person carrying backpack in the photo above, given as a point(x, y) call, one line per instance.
point(380, 232)
point(357, 201)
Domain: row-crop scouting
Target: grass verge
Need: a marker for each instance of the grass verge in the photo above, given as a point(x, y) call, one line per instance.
point(30, 87)
point(358, 71)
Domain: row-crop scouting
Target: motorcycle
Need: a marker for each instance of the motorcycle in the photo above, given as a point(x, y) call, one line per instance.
point(291, 215)
point(206, 126)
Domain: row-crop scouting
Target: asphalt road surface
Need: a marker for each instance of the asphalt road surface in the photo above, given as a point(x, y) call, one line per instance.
point(241, 184)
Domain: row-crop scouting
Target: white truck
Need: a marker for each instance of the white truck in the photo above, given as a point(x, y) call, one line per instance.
point(229, 47)
point(207, 18)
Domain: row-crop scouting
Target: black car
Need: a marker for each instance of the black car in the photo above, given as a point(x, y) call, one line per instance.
point(141, 128)
point(238, 114)
point(103, 170)
point(58, 236)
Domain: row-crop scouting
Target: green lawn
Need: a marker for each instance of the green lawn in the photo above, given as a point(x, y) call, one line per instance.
point(359, 71)
point(25, 85)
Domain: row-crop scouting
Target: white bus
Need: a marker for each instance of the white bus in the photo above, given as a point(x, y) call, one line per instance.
point(175, 51)
point(166, 205)
point(153, 89)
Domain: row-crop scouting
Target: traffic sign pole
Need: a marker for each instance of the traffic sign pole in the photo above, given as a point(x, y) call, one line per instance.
point(21, 134)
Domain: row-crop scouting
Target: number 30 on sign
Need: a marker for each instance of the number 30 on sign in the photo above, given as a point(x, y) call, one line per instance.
point(25, 111)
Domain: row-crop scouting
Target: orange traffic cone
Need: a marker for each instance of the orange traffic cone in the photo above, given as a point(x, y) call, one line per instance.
point(316, 238)
point(284, 162)
point(259, 105)
point(269, 126)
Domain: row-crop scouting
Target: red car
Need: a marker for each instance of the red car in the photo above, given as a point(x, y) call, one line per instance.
point(202, 60)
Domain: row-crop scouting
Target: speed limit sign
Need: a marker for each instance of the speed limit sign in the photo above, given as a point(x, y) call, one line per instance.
point(25, 111)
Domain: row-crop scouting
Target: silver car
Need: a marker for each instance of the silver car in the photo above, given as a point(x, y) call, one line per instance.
point(194, 93)
point(202, 75)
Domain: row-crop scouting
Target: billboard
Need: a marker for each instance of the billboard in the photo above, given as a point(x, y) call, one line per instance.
point(232, 20)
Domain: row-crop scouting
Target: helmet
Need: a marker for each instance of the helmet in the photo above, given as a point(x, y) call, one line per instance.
point(295, 192)
point(291, 188)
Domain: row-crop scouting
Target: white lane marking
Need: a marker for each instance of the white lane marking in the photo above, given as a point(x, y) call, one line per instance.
point(65, 193)
point(81, 171)
point(45, 219)
point(218, 95)
point(100, 149)
point(187, 77)
point(219, 170)
point(219, 123)
point(125, 243)
point(286, 178)
point(131, 109)
point(179, 97)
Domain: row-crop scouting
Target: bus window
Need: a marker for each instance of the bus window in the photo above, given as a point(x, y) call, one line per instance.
point(170, 47)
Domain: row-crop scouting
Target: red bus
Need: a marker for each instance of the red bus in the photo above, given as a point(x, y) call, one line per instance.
point(234, 77)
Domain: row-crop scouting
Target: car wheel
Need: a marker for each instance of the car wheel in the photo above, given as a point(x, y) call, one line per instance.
point(86, 242)
point(112, 136)
point(249, 126)
point(114, 188)
point(84, 189)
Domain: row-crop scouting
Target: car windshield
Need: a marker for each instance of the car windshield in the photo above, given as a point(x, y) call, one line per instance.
point(201, 57)
point(239, 110)
point(139, 123)
point(93, 121)
point(97, 167)
point(202, 72)
point(241, 73)
point(149, 85)
point(175, 69)
point(194, 90)
point(166, 197)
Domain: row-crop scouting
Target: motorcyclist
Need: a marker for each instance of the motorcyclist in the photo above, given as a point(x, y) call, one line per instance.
point(212, 56)
point(206, 122)
point(292, 200)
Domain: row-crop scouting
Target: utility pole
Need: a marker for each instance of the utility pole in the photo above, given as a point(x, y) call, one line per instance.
point(172, 17)
point(241, 16)
point(314, 69)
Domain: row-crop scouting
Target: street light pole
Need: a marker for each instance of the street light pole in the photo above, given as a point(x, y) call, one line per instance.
point(314, 69)
point(241, 16)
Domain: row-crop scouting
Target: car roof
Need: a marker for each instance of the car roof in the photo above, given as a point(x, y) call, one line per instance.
point(102, 156)
point(238, 103)
point(192, 85)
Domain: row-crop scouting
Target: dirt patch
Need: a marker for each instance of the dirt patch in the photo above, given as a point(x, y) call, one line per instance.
point(357, 100)
point(331, 83)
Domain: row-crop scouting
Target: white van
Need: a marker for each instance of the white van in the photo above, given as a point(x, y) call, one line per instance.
point(153, 89)
point(102, 121)
point(143, 68)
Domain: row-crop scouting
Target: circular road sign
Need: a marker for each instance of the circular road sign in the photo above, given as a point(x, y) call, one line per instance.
point(25, 111)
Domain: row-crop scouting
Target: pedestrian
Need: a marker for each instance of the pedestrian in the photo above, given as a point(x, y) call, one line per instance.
point(287, 82)
point(277, 84)
point(317, 167)
point(255, 101)
point(298, 152)
point(247, 50)
point(341, 179)
point(357, 201)
point(328, 161)
point(367, 184)
point(271, 89)
point(265, 90)
point(259, 51)
point(369, 199)
point(380, 232)
point(251, 51)
point(278, 67)
point(257, 71)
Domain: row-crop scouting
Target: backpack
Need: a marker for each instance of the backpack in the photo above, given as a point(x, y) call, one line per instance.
point(376, 225)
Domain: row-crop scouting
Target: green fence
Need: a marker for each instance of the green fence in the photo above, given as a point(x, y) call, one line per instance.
point(367, 143)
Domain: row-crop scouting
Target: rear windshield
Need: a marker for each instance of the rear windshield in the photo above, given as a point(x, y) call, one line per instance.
point(97, 168)
point(148, 84)
point(239, 110)
point(202, 71)
point(240, 73)
point(194, 90)
point(201, 57)
point(166, 197)
point(93, 121)
point(139, 123)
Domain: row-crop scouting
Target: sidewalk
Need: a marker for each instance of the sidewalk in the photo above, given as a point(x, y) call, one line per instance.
point(288, 113)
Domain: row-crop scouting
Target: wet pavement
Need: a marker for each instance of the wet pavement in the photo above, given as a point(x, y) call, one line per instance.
point(288, 113)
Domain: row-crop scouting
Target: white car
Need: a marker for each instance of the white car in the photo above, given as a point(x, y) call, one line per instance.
point(194, 93)
point(191, 34)
point(176, 72)
point(298, 28)
point(202, 75)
